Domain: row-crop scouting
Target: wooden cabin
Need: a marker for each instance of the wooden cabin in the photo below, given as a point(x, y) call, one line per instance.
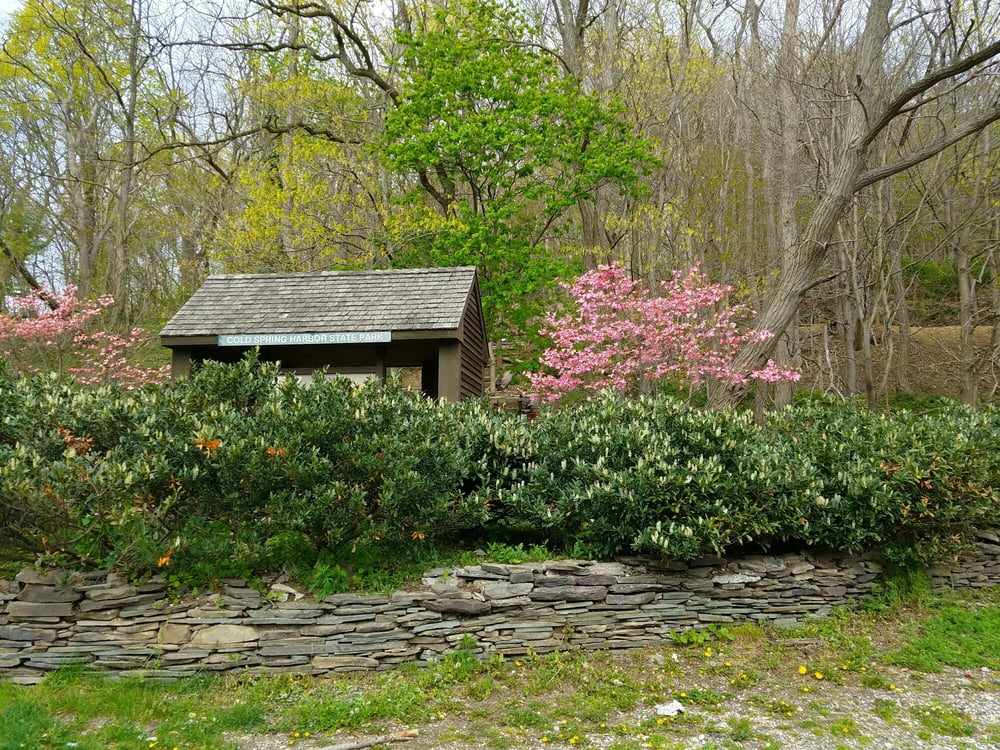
point(354, 323)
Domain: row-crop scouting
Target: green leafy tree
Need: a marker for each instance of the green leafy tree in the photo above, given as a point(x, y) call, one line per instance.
point(503, 148)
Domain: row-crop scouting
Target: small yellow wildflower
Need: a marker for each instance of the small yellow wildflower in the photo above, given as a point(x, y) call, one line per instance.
point(818, 675)
point(802, 670)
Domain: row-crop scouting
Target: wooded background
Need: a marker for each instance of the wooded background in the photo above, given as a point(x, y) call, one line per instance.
point(837, 162)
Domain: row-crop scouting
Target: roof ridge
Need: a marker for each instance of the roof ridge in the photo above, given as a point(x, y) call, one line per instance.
point(353, 272)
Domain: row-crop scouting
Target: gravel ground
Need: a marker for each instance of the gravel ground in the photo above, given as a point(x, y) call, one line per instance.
point(950, 710)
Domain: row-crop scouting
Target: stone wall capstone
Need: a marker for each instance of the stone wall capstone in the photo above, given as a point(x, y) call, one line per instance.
point(52, 619)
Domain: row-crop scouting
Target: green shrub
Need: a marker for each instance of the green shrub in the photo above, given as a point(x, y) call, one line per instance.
point(237, 471)
point(913, 487)
point(262, 457)
point(617, 475)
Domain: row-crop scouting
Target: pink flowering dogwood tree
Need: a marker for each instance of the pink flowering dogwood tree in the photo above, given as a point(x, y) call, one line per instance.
point(623, 338)
point(56, 336)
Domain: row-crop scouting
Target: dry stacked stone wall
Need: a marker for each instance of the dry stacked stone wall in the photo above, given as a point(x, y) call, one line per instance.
point(52, 619)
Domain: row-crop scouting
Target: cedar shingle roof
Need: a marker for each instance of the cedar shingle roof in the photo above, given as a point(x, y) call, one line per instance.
point(422, 299)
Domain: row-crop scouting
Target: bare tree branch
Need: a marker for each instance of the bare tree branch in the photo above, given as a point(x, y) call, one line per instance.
point(973, 125)
point(893, 108)
point(29, 278)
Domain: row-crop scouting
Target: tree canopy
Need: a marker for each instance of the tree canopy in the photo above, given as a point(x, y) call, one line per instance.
point(820, 159)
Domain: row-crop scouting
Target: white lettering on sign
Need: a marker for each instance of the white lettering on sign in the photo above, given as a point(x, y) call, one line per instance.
point(305, 339)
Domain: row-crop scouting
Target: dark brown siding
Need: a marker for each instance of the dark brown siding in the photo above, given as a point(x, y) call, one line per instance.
point(474, 346)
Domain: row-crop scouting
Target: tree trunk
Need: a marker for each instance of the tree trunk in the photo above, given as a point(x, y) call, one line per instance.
point(289, 178)
point(787, 184)
point(902, 317)
point(968, 369)
point(119, 263)
point(803, 260)
point(800, 275)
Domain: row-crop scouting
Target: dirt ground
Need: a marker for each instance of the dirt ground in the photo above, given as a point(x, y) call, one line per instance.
point(933, 362)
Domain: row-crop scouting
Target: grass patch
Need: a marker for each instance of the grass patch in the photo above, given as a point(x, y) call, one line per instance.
point(944, 720)
point(886, 710)
point(91, 713)
point(956, 636)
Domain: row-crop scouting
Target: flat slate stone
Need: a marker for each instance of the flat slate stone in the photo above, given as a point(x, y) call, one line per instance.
point(457, 606)
point(735, 578)
point(33, 610)
point(173, 632)
point(433, 626)
point(476, 572)
point(90, 605)
point(43, 577)
point(569, 593)
point(34, 592)
point(500, 570)
point(323, 661)
point(513, 602)
point(13, 633)
point(286, 614)
point(450, 590)
point(547, 580)
point(501, 590)
point(224, 635)
point(103, 594)
point(26, 680)
point(596, 580)
point(631, 599)
point(566, 566)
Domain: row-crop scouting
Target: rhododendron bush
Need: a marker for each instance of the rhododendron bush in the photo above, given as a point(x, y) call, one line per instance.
point(60, 335)
point(238, 471)
point(624, 338)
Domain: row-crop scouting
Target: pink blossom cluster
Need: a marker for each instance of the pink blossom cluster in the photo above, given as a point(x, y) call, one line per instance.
point(32, 320)
point(58, 335)
point(621, 337)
